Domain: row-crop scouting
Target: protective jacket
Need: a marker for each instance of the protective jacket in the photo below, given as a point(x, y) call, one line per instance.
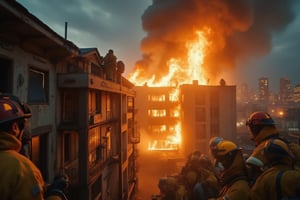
point(264, 135)
point(256, 161)
point(234, 180)
point(265, 185)
point(20, 178)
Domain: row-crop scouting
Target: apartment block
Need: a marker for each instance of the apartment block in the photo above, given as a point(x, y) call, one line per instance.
point(83, 125)
point(206, 111)
point(158, 114)
point(203, 111)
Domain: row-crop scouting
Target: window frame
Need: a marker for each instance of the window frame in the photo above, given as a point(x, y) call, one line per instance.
point(34, 86)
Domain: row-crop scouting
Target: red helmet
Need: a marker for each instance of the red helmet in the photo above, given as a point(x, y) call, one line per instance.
point(260, 118)
point(11, 108)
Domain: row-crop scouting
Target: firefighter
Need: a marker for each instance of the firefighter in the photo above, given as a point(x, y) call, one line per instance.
point(20, 178)
point(199, 178)
point(110, 65)
point(233, 176)
point(212, 145)
point(262, 128)
point(281, 179)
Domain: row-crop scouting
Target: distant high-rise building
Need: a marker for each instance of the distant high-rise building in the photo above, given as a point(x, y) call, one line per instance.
point(242, 93)
point(296, 96)
point(263, 87)
point(285, 92)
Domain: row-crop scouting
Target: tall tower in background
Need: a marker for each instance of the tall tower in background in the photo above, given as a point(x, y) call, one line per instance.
point(285, 90)
point(242, 93)
point(296, 96)
point(263, 90)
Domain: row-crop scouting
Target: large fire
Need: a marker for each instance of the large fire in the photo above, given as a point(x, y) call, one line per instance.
point(181, 71)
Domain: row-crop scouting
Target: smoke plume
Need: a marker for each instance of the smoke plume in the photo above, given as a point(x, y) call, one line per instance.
point(239, 29)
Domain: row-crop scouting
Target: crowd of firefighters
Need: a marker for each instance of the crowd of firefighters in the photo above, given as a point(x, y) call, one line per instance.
point(271, 172)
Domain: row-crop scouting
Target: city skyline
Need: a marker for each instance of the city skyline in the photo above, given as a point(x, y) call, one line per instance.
point(274, 84)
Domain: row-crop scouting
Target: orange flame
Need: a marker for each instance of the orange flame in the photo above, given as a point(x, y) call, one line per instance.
point(181, 71)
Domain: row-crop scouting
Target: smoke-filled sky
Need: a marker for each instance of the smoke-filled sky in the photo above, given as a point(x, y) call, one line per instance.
point(249, 39)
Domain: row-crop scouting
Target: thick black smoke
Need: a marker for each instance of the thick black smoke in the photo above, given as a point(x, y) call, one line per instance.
point(240, 29)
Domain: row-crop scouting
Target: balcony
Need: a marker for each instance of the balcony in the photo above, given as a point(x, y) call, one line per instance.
point(86, 80)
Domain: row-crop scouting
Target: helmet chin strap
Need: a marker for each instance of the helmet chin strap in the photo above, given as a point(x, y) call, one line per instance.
point(19, 136)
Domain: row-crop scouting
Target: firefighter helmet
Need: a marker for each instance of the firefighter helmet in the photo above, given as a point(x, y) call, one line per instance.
point(224, 148)
point(257, 121)
point(260, 118)
point(214, 141)
point(11, 108)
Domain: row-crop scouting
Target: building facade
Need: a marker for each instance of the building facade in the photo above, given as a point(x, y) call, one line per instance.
point(203, 111)
point(206, 111)
point(263, 90)
point(97, 129)
point(285, 91)
point(158, 114)
point(83, 125)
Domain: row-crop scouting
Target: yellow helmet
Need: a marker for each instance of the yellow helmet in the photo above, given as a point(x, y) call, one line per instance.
point(214, 141)
point(223, 148)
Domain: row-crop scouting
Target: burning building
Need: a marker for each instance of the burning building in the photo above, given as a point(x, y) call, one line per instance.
point(175, 121)
point(200, 42)
point(158, 113)
point(204, 41)
point(184, 118)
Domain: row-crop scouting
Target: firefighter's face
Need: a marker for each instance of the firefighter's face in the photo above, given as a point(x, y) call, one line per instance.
point(18, 128)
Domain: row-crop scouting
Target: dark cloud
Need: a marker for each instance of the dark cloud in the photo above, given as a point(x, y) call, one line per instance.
point(262, 32)
point(239, 30)
point(103, 24)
